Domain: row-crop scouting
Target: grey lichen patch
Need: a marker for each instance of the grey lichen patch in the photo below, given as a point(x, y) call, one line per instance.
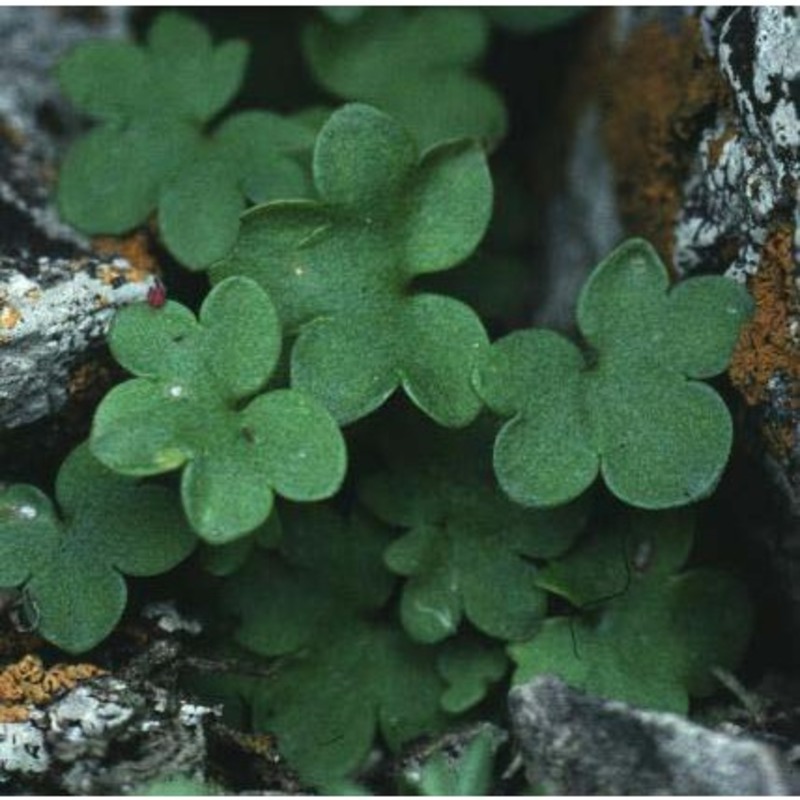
point(22, 749)
point(57, 297)
point(107, 735)
point(50, 315)
point(33, 40)
point(747, 170)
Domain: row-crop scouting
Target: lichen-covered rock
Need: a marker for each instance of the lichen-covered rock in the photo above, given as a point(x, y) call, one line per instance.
point(57, 291)
point(576, 744)
point(747, 177)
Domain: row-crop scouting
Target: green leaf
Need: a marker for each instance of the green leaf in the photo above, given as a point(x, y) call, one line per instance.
point(417, 65)
point(196, 410)
point(111, 180)
point(650, 634)
point(71, 562)
point(468, 549)
point(340, 270)
point(458, 764)
point(225, 559)
point(352, 682)
point(152, 151)
point(632, 413)
point(312, 604)
point(328, 566)
point(470, 666)
point(202, 191)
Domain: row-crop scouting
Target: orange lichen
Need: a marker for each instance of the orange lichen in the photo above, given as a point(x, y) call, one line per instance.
point(26, 684)
point(769, 345)
point(263, 745)
point(659, 85)
point(9, 317)
point(134, 249)
point(716, 146)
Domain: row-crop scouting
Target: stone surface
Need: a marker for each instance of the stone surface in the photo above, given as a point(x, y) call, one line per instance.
point(747, 174)
point(106, 735)
point(576, 744)
point(57, 292)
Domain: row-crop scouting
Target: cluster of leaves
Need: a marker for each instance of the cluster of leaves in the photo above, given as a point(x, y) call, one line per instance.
point(396, 609)
point(152, 148)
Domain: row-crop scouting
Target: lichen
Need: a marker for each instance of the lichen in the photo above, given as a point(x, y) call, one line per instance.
point(135, 249)
point(26, 684)
point(662, 83)
point(766, 362)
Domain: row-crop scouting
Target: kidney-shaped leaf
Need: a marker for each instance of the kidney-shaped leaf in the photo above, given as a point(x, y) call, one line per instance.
point(467, 551)
point(416, 64)
point(648, 634)
point(151, 150)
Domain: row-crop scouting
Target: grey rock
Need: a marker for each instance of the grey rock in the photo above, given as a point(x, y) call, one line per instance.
point(57, 297)
point(738, 188)
point(51, 314)
point(576, 744)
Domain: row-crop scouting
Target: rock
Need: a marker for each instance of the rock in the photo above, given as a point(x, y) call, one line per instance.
point(746, 176)
point(58, 292)
point(576, 744)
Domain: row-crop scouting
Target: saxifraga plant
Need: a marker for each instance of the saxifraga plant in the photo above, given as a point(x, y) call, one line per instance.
point(397, 607)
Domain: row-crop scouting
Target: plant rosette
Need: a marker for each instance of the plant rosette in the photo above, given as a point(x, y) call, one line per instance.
point(69, 557)
point(150, 149)
point(340, 269)
point(633, 409)
point(197, 404)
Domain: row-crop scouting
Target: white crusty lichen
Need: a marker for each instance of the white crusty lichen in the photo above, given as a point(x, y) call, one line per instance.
point(747, 169)
point(50, 316)
point(22, 750)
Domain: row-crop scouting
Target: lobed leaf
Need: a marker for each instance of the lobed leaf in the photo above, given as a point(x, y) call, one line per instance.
point(416, 65)
point(352, 683)
point(467, 550)
point(152, 152)
point(651, 634)
point(659, 439)
point(313, 604)
point(71, 564)
point(340, 269)
point(197, 411)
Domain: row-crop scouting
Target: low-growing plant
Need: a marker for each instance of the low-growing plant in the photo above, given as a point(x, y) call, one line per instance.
point(625, 409)
point(69, 557)
point(198, 404)
point(415, 64)
point(152, 148)
point(340, 269)
point(648, 631)
point(394, 609)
